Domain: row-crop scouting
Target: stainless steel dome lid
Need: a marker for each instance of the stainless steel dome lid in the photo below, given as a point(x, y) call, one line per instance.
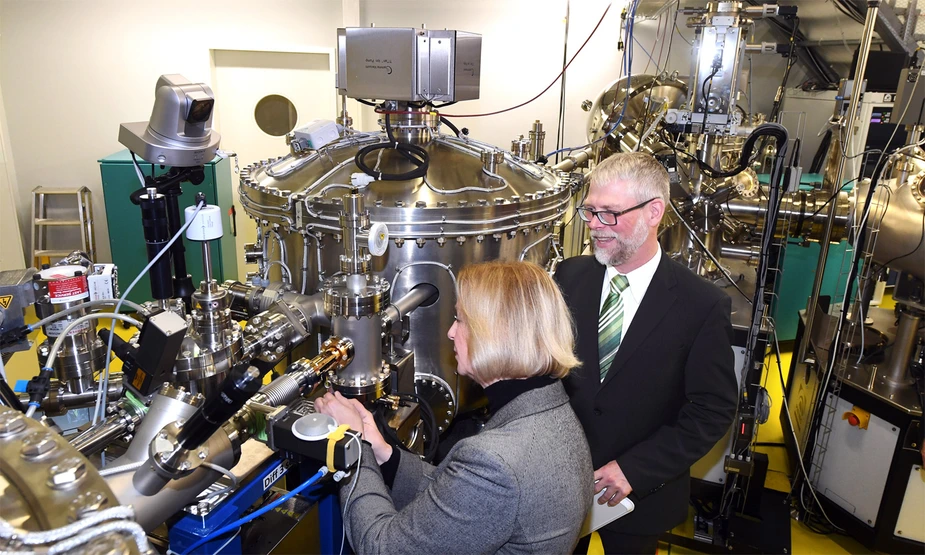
point(456, 198)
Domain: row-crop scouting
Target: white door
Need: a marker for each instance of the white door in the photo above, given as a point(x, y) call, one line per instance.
point(11, 248)
point(283, 90)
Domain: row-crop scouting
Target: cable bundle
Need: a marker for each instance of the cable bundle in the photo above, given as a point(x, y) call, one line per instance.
point(413, 153)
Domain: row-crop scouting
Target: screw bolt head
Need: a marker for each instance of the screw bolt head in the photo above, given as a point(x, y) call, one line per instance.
point(11, 423)
point(38, 444)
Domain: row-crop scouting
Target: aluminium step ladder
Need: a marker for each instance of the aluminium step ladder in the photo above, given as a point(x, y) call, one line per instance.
point(42, 220)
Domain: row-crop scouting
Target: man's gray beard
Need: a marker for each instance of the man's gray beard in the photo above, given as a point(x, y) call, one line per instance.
point(623, 248)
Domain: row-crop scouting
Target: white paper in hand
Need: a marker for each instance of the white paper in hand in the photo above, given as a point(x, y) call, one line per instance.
point(599, 515)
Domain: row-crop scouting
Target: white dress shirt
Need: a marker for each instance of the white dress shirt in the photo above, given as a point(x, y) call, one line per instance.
point(639, 280)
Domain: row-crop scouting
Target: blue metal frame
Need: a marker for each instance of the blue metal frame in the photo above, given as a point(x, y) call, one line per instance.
point(191, 528)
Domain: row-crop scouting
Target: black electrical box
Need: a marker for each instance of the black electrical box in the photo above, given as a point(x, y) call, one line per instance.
point(284, 435)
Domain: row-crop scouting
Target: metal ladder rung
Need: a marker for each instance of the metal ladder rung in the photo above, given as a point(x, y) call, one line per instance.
point(50, 221)
point(41, 222)
point(52, 252)
point(57, 191)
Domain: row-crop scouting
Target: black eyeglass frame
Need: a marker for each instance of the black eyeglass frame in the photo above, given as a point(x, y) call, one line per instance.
point(585, 213)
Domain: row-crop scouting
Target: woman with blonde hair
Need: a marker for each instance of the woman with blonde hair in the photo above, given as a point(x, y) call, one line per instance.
point(523, 484)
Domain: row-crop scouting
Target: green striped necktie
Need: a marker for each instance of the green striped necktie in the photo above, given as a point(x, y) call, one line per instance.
point(610, 324)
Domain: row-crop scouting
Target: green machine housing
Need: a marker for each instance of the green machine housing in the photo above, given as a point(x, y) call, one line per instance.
point(126, 237)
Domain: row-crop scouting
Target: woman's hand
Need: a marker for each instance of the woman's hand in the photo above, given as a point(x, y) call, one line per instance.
point(381, 447)
point(352, 413)
point(335, 405)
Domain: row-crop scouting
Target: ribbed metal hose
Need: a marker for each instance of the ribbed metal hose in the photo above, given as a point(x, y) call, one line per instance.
point(279, 392)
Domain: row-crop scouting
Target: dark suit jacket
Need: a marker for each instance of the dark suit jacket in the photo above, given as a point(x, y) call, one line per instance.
point(669, 394)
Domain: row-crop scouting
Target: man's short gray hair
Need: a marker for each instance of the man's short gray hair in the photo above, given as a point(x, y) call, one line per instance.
point(643, 175)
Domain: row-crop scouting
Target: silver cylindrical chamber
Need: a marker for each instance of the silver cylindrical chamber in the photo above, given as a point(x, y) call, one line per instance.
point(82, 353)
point(169, 405)
point(895, 370)
point(365, 375)
point(897, 215)
point(537, 140)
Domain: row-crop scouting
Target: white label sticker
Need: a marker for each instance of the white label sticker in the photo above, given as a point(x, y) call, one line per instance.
point(277, 473)
point(54, 329)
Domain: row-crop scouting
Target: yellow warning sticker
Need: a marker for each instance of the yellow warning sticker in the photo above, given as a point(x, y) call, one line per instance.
point(6, 301)
point(139, 378)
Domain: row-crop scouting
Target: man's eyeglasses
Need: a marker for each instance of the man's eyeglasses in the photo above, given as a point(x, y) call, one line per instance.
point(608, 217)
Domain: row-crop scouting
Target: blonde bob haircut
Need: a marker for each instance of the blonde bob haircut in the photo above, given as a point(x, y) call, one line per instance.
point(517, 321)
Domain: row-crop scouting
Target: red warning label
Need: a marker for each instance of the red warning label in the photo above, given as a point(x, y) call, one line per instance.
point(68, 290)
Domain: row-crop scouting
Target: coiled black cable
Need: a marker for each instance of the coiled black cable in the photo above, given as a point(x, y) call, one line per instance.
point(413, 153)
point(431, 434)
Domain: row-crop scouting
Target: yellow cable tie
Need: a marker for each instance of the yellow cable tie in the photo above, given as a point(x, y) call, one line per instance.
point(333, 438)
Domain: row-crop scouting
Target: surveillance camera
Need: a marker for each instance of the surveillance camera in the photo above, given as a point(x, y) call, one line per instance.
point(179, 132)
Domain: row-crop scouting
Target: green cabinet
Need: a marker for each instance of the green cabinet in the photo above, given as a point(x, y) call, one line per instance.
point(126, 237)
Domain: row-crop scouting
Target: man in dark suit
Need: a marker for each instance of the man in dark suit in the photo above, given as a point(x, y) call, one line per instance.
point(657, 387)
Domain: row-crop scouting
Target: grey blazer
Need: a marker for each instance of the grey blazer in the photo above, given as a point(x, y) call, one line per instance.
point(521, 485)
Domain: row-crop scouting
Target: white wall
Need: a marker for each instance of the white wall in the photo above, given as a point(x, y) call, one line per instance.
point(522, 51)
point(72, 70)
point(11, 249)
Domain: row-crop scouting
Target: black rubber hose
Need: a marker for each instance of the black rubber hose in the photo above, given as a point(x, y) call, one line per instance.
point(413, 153)
point(449, 124)
point(768, 129)
point(422, 160)
point(432, 434)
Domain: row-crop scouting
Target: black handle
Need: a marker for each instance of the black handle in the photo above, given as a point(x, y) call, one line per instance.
point(240, 385)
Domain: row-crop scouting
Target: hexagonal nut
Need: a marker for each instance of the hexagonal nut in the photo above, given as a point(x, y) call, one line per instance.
point(66, 473)
point(38, 444)
point(11, 423)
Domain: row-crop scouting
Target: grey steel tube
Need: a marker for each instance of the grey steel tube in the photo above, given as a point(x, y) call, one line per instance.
point(61, 400)
point(748, 253)
point(116, 426)
point(153, 510)
point(537, 140)
point(97, 438)
point(576, 159)
point(873, 9)
point(413, 299)
point(207, 264)
point(895, 371)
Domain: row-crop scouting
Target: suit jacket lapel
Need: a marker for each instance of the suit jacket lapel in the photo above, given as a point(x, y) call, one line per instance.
point(654, 306)
point(587, 299)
